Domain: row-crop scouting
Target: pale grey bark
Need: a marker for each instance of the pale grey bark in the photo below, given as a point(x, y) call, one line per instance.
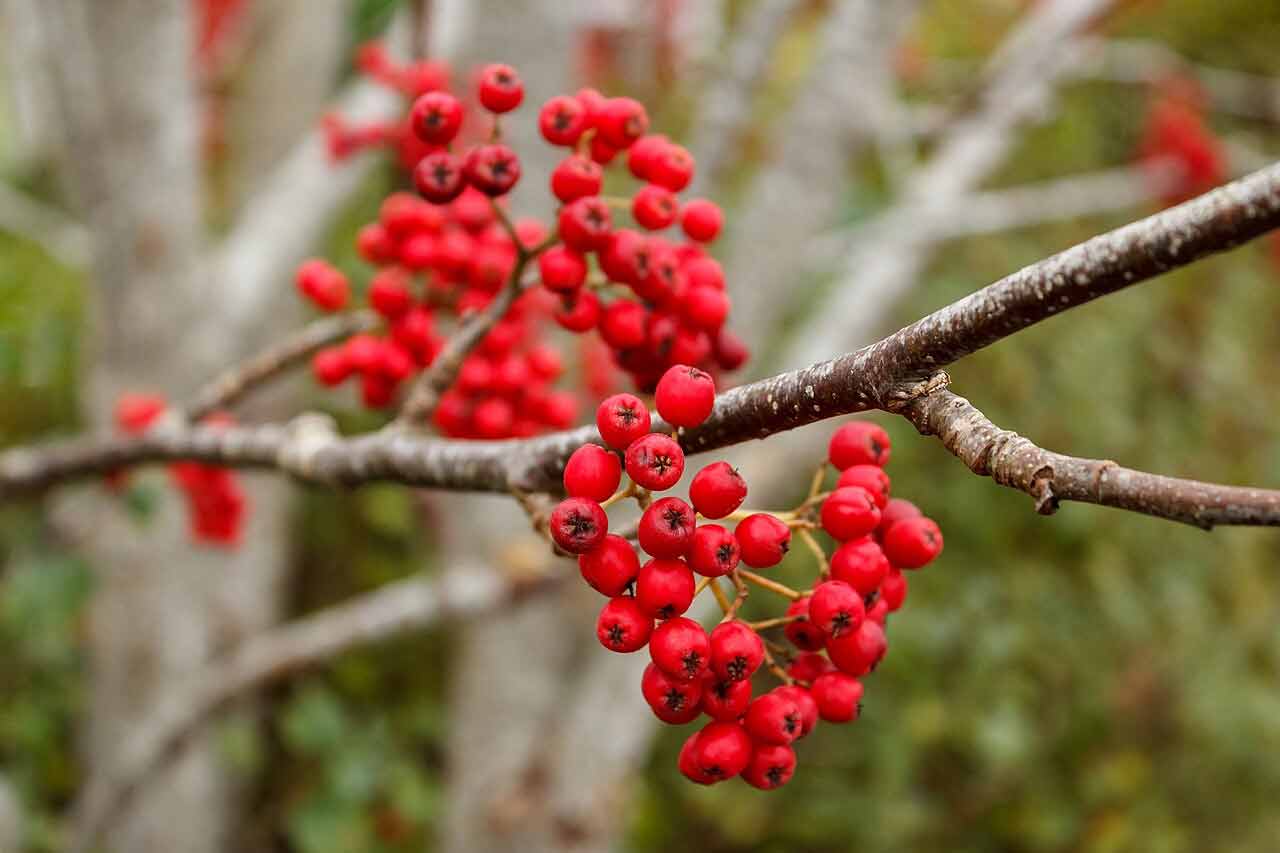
point(11, 821)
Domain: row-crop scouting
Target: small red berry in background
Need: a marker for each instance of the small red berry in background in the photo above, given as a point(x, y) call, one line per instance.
point(701, 220)
point(501, 90)
point(493, 169)
point(324, 285)
point(562, 120)
point(440, 177)
point(436, 117)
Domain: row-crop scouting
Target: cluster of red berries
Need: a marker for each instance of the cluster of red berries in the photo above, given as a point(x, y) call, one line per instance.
point(1177, 133)
point(216, 502)
point(694, 672)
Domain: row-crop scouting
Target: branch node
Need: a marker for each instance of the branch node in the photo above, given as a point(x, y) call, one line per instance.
point(905, 395)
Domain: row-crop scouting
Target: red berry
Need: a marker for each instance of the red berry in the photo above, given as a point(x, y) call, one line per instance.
point(592, 472)
point(621, 254)
point(439, 177)
point(493, 169)
point(913, 543)
point(576, 177)
point(578, 525)
point(324, 284)
point(680, 648)
point(861, 564)
point(643, 153)
point(611, 566)
point(579, 312)
point(389, 293)
point(725, 700)
point(802, 633)
point(562, 120)
point(838, 696)
point(773, 718)
point(403, 215)
point(688, 764)
point(836, 608)
point(623, 626)
point(623, 324)
point(878, 612)
point(500, 88)
point(621, 121)
point(771, 766)
point(717, 490)
point(859, 651)
point(808, 666)
point(705, 272)
point(436, 118)
point(721, 751)
point(585, 224)
point(674, 702)
point(376, 391)
point(736, 651)
point(701, 220)
point(894, 511)
point(654, 207)
point(601, 151)
point(870, 477)
point(685, 395)
point(622, 419)
point(714, 551)
point(375, 245)
point(664, 587)
point(655, 462)
point(730, 350)
point(893, 590)
point(330, 366)
point(493, 418)
point(764, 540)
point(859, 443)
point(672, 167)
point(706, 308)
point(562, 270)
point(849, 513)
point(136, 412)
point(666, 528)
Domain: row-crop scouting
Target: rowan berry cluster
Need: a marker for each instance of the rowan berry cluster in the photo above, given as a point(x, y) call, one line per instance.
point(695, 672)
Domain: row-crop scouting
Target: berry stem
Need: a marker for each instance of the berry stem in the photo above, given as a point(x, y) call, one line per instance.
point(778, 622)
point(702, 585)
point(766, 583)
point(721, 598)
point(505, 221)
point(811, 542)
point(782, 515)
point(620, 495)
point(739, 599)
point(815, 485)
point(772, 665)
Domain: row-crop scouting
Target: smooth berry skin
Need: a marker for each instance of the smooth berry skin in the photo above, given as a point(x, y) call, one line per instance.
point(330, 366)
point(838, 697)
point(621, 122)
point(135, 412)
point(701, 220)
point(706, 307)
point(671, 167)
point(850, 513)
point(860, 651)
point(643, 152)
point(717, 490)
point(680, 648)
point(585, 224)
point(685, 396)
point(579, 312)
point(666, 528)
point(763, 540)
point(725, 700)
point(439, 177)
point(610, 567)
point(805, 702)
point(623, 626)
point(674, 702)
point(493, 169)
point(323, 284)
point(897, 509)
point(592, 472)
point(773, 718)
point(623, 324)
point(722, 750)
point(836, 608)
point(802, 633)
point(913, 543)
point(878, 612)
point(501, 90)
point(655, 462)
point(771, 766)
point(375, 245)
point(576, 177)
point(665, 587)
point(705, 272)
point(389, 294)
point(687, 762)
point(893, 590)
point(562, 120)
point(869, 477)
point(654, 208)
point(808, 666)
point(624, 257)
point(436, 118)
point(861, 564)
point(622, 419)
point(736, 651)
point(578, 525)
point(859, 443)
point(713, 551)
point(562, 270)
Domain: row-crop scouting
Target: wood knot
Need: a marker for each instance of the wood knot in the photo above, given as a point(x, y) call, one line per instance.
point(905, 395)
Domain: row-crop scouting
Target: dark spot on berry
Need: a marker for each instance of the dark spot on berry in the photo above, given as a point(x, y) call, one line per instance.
point(791, 724)
point(675, 518)
point(692, 663)
point(617, 636)
point(674, 699)
point(737, 668)
point(774, 776)
point(724, 554)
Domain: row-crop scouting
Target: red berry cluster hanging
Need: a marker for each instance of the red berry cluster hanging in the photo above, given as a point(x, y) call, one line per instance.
point(835, 631)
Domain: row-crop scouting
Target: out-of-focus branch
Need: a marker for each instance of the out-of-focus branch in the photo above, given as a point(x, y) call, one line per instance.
point(60, 236)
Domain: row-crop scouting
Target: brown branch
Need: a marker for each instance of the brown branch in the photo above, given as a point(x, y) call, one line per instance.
point(1051, 478)
point(231, 386)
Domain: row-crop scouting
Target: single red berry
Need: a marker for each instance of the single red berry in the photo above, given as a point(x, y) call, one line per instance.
point(897, 509)
point(870, 477)
point(544, 361)
point(706, 308)
point(721, 751)
point(622, 256)
point(861, 564)
point(730, 351)
point(585, 224)
point(685, 395)
point(621, 121)
point(375, 244)
point(772, 766)
point(578, 525)
point(436, 118)
point(849, 513)
point(623, 626)
point(562, 120)
point(493, 418)
point(654, 207)
point(643, 152)
point(802, 633)
point(493, 169)
point(610, 567)
point(893, 590)
point(687, 762)
point(389, 293)
point(576, 177)
point(622, 419)
point(913, 543)
point(655, 462)
point(403, 215)
point(672, 167)
point(323, 284)
point(680, 648)
point(136, 412)
point(674, 702)
point(773, 718)
point(500, 88)
point(377, 391)
point(705, 272)
point(836, 608)
point(666, 528)
point(764, 540)
point(736, 651)
point(562, 270)
point(439, 177)
point(717, 490)
point(331, 366)
point(859, 651)
point(579, 312)
point(838, 696)
point(701, 220)
point(664, 587)
point(878, 612)
point(724, 700)
point(601, 151)
point(808, 666)
point(592, 472)
point(859, 443)
point(362, 351)
point(622, 325)
point(804, 701)
point(714, 551)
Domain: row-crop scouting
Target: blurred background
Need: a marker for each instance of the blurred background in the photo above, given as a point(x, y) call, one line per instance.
point(1094, 681)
